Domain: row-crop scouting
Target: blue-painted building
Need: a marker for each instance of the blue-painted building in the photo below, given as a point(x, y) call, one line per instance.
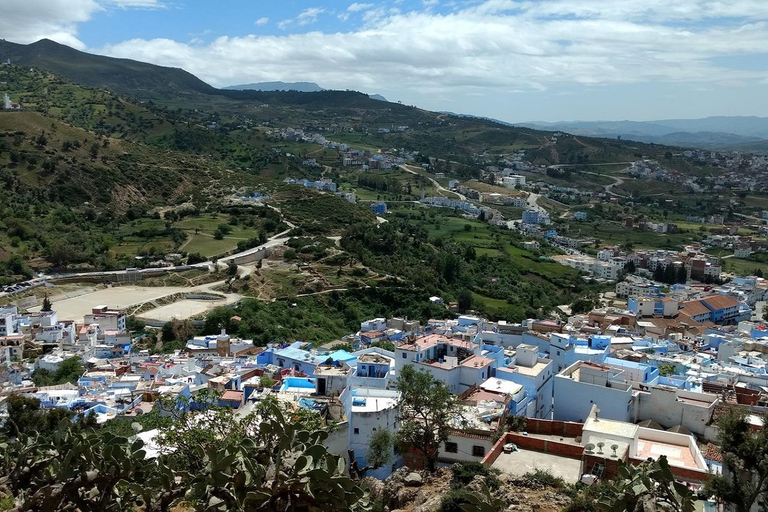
point(531, 217)
point(298, 357)
point(379, 208)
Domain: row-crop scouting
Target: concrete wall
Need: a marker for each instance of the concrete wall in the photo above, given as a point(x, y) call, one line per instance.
point(465, 444)
point(338, 440)
point(663, 406)
point(574, 400)
point(546, 446)
point(554, 428)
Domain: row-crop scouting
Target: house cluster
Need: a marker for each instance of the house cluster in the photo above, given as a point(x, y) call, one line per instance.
point(372, 161)
point(611, 262)
point(101, 334)
point(8, 104)
point(321, 184)
point(648, 378)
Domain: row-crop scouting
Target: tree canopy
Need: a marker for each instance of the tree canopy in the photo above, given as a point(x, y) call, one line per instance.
point(745, 461)
point(426, 408)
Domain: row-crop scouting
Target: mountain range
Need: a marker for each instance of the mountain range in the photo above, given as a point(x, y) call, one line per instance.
point(176, 87)
point(138, 79)
point(276, 86)
point(747, 133)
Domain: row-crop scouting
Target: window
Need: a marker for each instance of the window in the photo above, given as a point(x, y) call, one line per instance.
point(357, 431)
point(373, 429)
point(558, 352)
point(478, 451)
point(451, 447)
point(405, 355)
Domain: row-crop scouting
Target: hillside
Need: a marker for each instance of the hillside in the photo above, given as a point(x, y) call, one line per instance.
point(357, 116)
point(123, 76)
point(276, 86)
point(719, 133)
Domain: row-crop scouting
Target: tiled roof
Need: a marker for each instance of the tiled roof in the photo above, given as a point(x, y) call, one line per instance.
point(721, 301)
point(712, 452)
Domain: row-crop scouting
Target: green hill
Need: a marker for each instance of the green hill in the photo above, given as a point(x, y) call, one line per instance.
point(123, 76)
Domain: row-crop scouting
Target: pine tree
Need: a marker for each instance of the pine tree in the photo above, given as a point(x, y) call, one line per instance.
point(47, 306)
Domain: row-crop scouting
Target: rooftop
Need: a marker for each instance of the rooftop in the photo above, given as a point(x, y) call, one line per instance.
point(676, 454)
point(611, 427)
point(532, 371)
point(527, 461)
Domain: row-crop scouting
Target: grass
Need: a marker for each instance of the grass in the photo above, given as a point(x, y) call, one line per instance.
point(742, 267)
point(488, 302)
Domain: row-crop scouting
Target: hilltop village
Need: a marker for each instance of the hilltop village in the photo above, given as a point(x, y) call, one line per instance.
point(606, 385)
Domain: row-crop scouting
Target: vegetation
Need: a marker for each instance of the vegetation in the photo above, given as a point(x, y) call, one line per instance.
point(265, 461)
point(650, 484)
point(545, 478)
point(744, 481)
point(69, 371)
point(426, 410)
point(321, 318)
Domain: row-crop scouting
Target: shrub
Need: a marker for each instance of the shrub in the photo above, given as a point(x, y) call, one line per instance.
point(452, 501)
point(544, 477)
point(465, 472)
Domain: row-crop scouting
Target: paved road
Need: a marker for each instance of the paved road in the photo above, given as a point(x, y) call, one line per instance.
point(438, 186)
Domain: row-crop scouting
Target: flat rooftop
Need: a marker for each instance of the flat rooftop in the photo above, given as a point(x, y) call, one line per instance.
point(372, 404)
point(530, 371)
point(676, 454)
point(527, 461)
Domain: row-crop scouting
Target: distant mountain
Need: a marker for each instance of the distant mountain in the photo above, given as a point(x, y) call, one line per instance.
point(377, 97)
point(276, 86)
point(122, 76)
point(721, 132)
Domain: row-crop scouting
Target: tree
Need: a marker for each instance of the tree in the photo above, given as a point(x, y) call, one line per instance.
point(666, 369)
point(426, 408)
point(630, 267)
point(647, 486)
point(380, 448)
point(464, 300)
point(744, 481)
point(47, 306)
point(266, 461)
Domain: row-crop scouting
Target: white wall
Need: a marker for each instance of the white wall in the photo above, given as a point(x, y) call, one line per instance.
point(574, 400)
point(662, 405)
point(464, 448)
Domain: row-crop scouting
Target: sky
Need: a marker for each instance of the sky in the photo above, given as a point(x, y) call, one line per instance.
point(514, 60)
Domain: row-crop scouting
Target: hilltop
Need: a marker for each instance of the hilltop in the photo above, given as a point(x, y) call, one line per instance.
point(123, 76)
point(446, 136)
point(277, 86)
point(716, 132)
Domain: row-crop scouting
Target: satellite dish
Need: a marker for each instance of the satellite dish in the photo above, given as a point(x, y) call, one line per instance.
point(589, 447)
point(614, 447)
point(600, 447)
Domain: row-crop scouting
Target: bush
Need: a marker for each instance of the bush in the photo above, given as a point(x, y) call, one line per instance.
point(452, 501)
point(465, 472)
point(544, 477)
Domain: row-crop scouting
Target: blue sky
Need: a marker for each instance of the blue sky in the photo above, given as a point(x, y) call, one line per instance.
point(516, 60)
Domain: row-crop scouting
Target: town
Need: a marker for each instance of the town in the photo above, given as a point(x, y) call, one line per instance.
point(618, 384)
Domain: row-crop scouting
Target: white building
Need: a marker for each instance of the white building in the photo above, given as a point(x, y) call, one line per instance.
point(368, 410)
point(513, 181)
point(8, 320)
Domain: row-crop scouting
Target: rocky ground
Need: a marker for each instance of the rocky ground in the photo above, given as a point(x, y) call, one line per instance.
point(418, 491)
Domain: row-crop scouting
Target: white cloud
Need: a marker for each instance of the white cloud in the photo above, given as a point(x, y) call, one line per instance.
point(30, 20)
point(261, 22)
point(135, 4)
point(488, 47)
point(357, 7)
point(309, 15)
